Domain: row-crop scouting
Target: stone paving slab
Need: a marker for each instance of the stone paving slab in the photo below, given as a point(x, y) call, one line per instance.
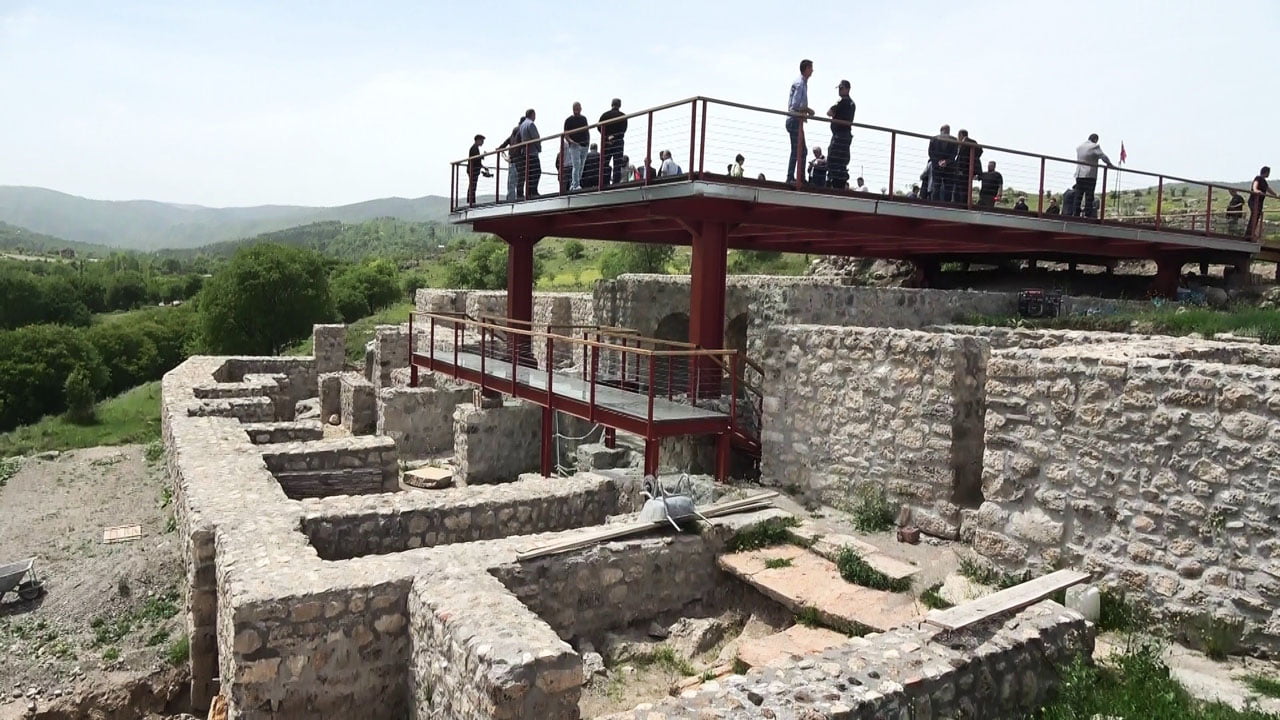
point(793, 643)
point(829, 546)
point(811, 581)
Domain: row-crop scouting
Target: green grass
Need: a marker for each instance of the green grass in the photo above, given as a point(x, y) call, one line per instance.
point(984, 574)
point(871, 510)
point(853, 568)
point(1134, 684)
point(665, 657)
point(775, 563)
point(1117, 613)
point(762, 535)
point(9, 467)
point(179, 651)
point(932, 600)
point(1262, 323)
point(1263, 685)
point(130, 417)
point(362, 331)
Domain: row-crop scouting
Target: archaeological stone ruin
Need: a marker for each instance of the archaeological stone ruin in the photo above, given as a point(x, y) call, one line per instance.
point(359, 544)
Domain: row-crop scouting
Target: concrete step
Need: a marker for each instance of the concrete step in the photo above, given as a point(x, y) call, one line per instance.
point(794, 642)
point(812, 581)
point(829, 545)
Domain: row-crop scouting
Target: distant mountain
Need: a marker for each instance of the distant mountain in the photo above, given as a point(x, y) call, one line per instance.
point(149, 225)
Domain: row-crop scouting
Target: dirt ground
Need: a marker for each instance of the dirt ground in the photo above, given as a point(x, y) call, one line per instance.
point(110, 613)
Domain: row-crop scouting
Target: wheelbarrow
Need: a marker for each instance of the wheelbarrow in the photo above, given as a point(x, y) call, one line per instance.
point(12, 579)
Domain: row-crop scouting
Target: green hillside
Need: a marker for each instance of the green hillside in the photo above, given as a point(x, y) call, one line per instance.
point(22, 241)
point(386, 238)
point(149, 225)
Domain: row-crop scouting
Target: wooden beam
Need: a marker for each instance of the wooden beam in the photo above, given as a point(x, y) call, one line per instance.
point(1014, 598)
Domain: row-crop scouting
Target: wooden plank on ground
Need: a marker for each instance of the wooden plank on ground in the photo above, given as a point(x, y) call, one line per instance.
point(123, 533)
point(1014, 598)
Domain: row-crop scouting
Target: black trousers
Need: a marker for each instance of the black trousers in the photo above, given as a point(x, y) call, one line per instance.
point(612, 159)
point(1085, 187)
point(534, 175)
point(838, 161)
point(1255, 215)
point(471, 187)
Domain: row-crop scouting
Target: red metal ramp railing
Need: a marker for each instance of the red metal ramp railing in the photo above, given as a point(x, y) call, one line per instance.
point(608, 376)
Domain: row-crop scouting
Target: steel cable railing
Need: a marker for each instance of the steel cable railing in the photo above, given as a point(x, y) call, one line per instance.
point(703, 136)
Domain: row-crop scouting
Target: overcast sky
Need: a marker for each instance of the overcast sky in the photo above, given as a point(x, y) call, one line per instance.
point(325, 103)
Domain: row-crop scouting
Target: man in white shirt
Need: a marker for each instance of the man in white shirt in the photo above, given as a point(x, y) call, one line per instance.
point(1088, 155)
point(669, 168)
point(798, 106)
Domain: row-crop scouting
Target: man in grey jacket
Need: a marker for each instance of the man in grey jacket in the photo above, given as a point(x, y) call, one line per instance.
point(529, 132)
point(1087, 155)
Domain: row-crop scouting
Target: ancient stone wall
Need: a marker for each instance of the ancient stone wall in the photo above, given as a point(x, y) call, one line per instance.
point(1003, 670)
point(329, 346)
point(390, 352)
point(609, 586)
point(335, 466)
point(359, 404)
point(899, 409)
point(495, 445)
point(283, 432)
point(378, 524)
point(1157, 475)
point(420, 419)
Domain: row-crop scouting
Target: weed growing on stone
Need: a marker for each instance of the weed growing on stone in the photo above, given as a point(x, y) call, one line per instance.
point(856, 570)
point(983, 574)
point(154, 451)
point(8, 468)
point(665, 657)
point(1218, 636)
point(111, 654)
point(179, 651)
point(762, 535)
point(871, 510)
point(932, 600)
point(1263, 685)
point(157, 638)
point(775, 563)
point(1133, 684)
point(740, 667)
point(1116, 613)
point(809, 617)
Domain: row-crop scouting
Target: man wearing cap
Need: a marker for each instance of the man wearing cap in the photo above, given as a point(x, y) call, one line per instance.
point(474, 167)
point(841, 115)
point(798, 109)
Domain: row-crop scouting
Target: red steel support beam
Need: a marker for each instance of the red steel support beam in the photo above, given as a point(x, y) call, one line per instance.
point(520, 289)
point(706, 301)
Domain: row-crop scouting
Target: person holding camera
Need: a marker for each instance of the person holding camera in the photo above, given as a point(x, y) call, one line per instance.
point(475, 168)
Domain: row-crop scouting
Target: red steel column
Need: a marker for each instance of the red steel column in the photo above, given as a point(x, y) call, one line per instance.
point(706, 301)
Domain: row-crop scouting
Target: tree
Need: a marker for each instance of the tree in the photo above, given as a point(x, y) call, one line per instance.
point(80, 395)
point(35, 362)
point(484, 267)
point(360, 290)
point(574, 250)
point(126, 290)
point(266, 297)
point(635, 258)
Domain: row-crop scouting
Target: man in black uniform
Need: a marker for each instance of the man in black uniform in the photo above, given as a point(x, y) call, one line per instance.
point(841, 115)
point(474, 167)
point(1235, 211)
point(612, 138)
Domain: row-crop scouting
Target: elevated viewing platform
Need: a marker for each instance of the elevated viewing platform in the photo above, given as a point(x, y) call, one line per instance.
point(1186, 220)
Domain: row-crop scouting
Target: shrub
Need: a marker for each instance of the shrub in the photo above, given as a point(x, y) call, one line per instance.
point(266, 297)
point(871, 510)
point(574, 250)
point(80, 396)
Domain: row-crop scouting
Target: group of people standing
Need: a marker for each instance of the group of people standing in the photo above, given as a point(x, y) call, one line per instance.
point(580, 163)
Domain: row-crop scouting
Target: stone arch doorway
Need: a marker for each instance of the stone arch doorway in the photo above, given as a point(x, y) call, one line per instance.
point(669, 377)
point(735, 332)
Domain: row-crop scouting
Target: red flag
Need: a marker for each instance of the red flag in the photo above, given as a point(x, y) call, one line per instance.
point(1123, 155)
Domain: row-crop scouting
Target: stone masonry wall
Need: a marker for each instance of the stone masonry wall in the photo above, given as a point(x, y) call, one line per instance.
point(611, 585)
point(896, 408)
point(1004, 669)
point(329, 345)
point(359, 405)
point(1158, 475)
point(420, 419)
point(495, 445)
point(391, 351)
point(336, 466)
point(379, 524)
